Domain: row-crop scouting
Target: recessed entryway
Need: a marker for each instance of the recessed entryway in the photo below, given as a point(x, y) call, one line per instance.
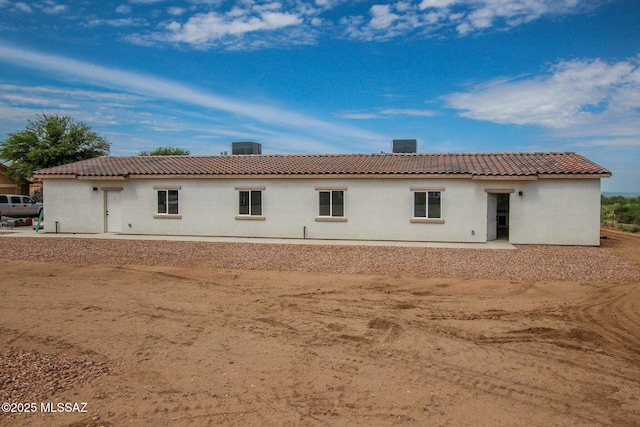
point(498, 213)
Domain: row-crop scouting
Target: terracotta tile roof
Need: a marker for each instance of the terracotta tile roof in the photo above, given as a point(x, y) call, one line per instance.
point(473, 164)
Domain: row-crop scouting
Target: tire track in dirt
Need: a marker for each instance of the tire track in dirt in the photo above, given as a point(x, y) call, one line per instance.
point(570, 335)
point(613, 316)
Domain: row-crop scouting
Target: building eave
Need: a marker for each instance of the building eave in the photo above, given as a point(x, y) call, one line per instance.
point(505, 177)
point(574, 176)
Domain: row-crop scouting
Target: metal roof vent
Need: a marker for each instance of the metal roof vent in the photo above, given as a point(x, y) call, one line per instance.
point(246, 148)
point(405, 145)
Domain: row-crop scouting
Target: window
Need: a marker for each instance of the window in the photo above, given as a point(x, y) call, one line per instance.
point(168, 202)
point(427, 204)
point(4, 199)
point(331, 203)
point(15, 199)
point(250, 203)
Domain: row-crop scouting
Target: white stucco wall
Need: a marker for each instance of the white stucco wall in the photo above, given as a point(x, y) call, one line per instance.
point(557, 212)
point(74, 205)
point(550, 211)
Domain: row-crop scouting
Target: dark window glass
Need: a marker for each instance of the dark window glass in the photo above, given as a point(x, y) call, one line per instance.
point(244, 203)
point(4, 199)
point(173, 202)
point(435, 210)
point(250, 203)
point(256, 203)
point(162, 202)
point(420, 204)
point(15, 199)
point(337, 203)
point(325, 203)
point(168, 202)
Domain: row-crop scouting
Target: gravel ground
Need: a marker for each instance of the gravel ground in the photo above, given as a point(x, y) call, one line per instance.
point(28, 376)
point(561, 263)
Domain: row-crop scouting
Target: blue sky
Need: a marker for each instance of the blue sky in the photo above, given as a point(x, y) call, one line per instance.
point(333, 76)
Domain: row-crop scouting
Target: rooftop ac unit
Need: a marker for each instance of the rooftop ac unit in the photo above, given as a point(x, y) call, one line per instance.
point(246, 148)
point(405, 145)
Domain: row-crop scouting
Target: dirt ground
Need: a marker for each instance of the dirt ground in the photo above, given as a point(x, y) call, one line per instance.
point(186, 346)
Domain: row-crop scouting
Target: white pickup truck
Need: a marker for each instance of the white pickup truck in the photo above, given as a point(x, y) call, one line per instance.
point(18, 206)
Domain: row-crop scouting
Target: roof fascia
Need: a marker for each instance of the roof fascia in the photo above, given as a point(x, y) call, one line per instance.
point(101, 178)
point(575, 176)
point(505, 178)
point(310, 176)
point(61, 176)
point(82, 178)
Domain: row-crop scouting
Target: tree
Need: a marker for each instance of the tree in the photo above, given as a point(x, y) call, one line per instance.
point(166, 151)
point(50, 140)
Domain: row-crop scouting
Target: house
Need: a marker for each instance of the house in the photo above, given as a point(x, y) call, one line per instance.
point(8, 185)
point(529, 198)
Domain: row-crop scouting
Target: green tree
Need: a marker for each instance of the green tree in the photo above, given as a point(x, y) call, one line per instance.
point(620, 209)
point(166, 151)
point(50, 140)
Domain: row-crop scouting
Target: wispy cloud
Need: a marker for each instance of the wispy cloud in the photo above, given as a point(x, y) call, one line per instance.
point(53, 8)
point(245, 26)
point(154, 88)
point(176, 11)
point(409, 112)
point(461, 17)
point(121, 22)
point(49, 7)
point(385, 113)
point(358, 116)
point(23, 7)
point(146, 1)
point(251, 25)
point(123, 8)
point(210, 27)
point(580, 98)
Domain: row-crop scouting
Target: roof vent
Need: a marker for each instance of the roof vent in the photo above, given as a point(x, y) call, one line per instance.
point(246, 148)
point(405, 145)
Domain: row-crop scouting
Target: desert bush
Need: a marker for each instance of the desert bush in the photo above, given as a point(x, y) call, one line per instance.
point(620, 209)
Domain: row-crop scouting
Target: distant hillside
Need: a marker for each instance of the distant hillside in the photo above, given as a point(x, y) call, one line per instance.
point(614, 193)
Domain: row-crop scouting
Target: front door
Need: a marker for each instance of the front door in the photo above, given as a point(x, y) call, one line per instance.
point(492, 216)
point(113, 212)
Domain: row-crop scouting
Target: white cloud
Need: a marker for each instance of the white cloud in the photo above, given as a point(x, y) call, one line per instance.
point(23, 7)
point(358, 116)
point(409, 112)
point(577, 98)
point(123, 8)
point(463, 16)
point(382, 16)
point(386, 113)
point(209, 27)
point(425, 4)
point(249, 24)
point(152, 88)
point(176, 11)
point(122, 22)
point(53, 9)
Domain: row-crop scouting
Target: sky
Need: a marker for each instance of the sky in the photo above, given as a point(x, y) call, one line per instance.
point(333, 76)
